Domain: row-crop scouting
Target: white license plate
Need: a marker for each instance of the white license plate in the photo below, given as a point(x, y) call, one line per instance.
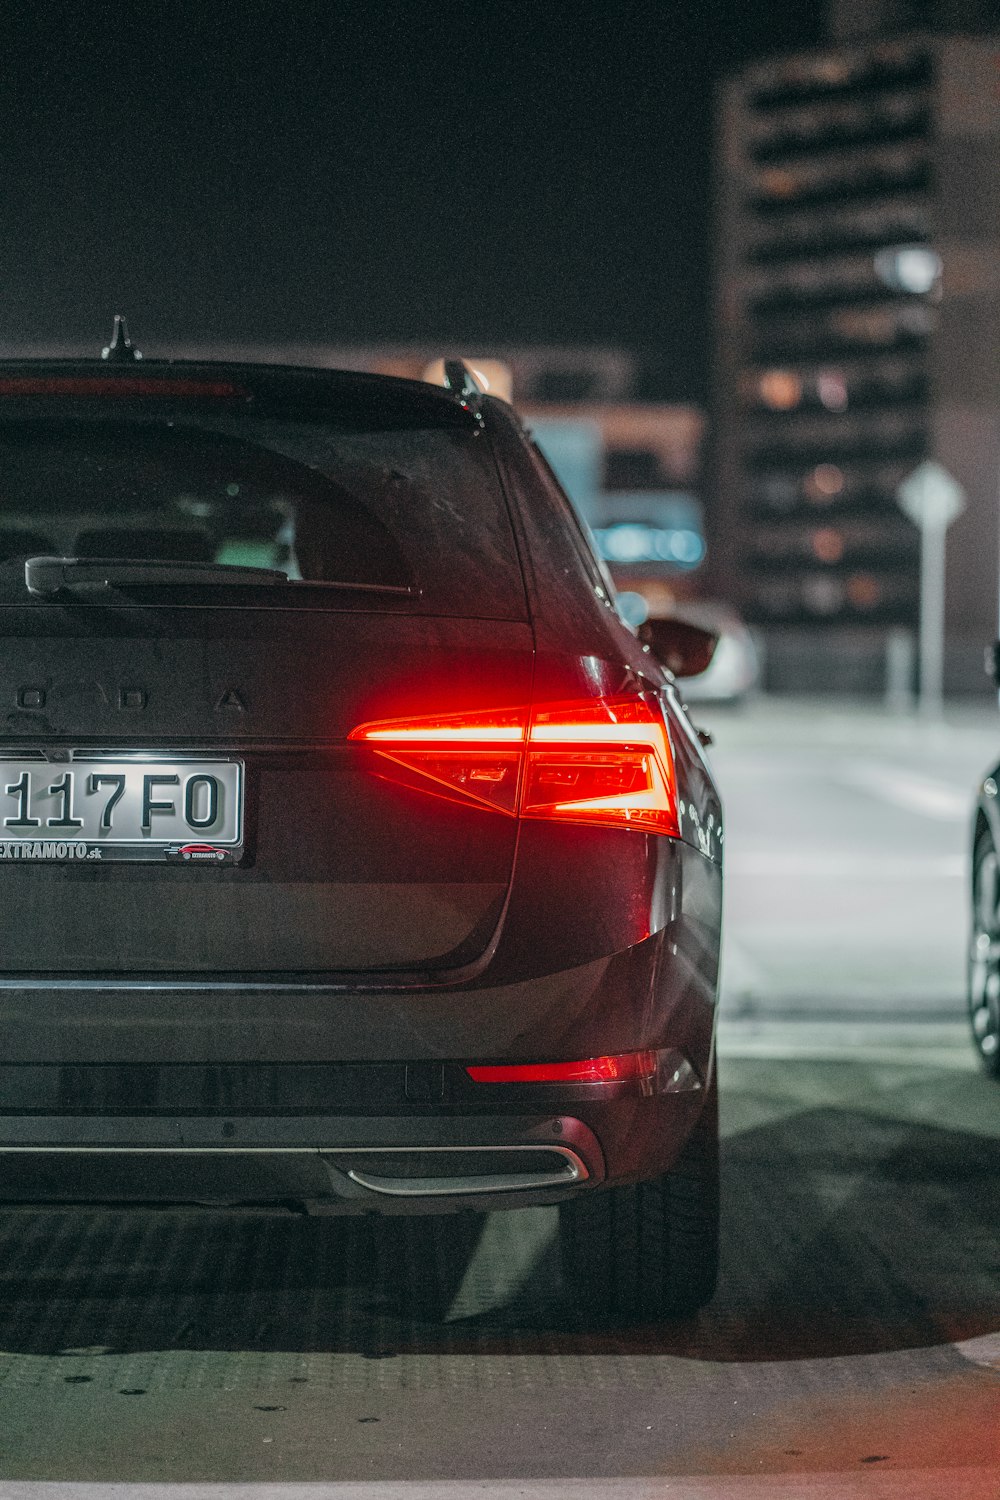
point(188, 811)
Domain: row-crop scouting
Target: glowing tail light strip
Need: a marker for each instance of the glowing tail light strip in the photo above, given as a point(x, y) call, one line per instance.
point(441, 732)
point(599, 761)
point(623, 1065)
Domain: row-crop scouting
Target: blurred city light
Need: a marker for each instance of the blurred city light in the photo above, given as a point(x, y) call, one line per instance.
point(828, 545)
point(824, 484)
point(633, 607)
point(632, 542)
point(909, 268)
point(864, 591)
point(781, 390)
point(822, 595)
point(832, 390)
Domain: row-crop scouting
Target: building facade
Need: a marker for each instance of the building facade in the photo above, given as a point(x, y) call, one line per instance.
point(857, 334)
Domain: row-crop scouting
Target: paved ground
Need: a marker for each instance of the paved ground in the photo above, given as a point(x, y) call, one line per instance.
point(854, 1346)
point(856, 1328)
point(847, 858)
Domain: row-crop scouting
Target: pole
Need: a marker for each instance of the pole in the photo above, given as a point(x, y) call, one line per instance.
point(931, 619)
point(900, 659)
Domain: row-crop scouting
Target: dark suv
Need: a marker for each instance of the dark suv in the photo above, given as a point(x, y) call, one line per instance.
point(354, 853)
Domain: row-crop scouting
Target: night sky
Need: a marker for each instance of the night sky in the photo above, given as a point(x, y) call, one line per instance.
point(347, 173)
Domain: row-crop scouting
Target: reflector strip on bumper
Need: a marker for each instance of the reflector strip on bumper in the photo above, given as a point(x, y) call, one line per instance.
point(665, 1070)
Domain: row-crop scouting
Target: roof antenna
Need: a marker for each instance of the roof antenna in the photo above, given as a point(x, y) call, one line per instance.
point(120, 351)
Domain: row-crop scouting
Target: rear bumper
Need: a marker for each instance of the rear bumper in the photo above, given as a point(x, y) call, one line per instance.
point(343, 1164)
point(431, 1159)
point(327, 1164)
point(249, 1091)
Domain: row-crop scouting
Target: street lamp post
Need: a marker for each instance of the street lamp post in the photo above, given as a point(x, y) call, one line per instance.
point(931, 498)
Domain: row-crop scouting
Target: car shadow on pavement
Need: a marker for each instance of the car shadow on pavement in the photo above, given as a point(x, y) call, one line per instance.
point(844, 1232)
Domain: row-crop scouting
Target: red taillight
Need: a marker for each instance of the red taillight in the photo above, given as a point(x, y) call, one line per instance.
point(469, 755)
point(603, 761)
point(606, 762)
point(591, 1070)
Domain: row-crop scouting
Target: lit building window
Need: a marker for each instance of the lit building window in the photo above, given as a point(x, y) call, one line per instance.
point(777, 184)
point(909, 268)
point(822, 595)
point(827, 545)
point(864, 591)
point(781, 390)
point(824, 484)
point(831, 388)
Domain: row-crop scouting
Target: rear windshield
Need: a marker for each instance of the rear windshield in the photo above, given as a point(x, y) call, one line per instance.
point(415, 512)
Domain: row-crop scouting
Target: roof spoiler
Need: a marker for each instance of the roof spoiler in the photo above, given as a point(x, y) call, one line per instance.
point(471, 379)
point(461, 380)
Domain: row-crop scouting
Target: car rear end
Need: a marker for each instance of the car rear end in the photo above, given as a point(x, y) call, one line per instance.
point(352, 853)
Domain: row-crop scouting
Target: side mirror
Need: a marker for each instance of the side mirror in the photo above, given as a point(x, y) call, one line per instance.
point(991, 662)
point(683, 648)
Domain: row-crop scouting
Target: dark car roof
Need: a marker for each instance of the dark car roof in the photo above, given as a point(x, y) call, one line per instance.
point(353, 395)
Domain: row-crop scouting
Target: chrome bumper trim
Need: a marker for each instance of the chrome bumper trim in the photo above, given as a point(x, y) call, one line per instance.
point(505, 1182)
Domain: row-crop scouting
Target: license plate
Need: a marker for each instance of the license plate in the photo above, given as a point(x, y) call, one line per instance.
point(184, 811)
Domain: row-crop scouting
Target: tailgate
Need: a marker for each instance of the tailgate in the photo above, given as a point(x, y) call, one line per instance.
point(338, 867)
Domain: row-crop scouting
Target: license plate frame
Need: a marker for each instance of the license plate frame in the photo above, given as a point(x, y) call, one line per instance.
point(182, 808)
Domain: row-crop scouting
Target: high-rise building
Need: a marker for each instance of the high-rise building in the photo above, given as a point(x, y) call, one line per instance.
point(857, 334)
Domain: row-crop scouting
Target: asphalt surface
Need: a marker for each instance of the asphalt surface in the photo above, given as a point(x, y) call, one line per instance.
point(853, 1348)
point(848, 840)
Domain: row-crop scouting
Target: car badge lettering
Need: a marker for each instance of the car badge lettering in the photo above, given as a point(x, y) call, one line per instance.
point(32, 695)
point(231, 699)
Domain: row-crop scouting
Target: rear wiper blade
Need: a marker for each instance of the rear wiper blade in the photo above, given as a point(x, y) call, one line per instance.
point(47, 576)
point(359, 588)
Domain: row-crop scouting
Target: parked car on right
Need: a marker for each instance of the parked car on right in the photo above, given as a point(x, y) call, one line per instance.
point(984, 947)
point(984, 954)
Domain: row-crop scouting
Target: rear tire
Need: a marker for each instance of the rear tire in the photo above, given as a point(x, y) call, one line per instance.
point(650, 1249)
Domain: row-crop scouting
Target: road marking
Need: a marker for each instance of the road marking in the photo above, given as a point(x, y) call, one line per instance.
point(958, 1483)
point(910, 790)
point(846, 863)
point(937, 1044)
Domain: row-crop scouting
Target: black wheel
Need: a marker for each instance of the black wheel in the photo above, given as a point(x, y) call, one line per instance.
point(984, 954)
point(650, 1249)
